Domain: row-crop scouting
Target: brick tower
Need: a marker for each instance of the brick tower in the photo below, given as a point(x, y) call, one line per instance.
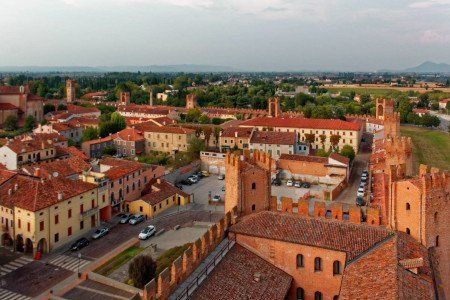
point(70, 90)
point(124, 98)
point(384, 107)
point(191, 101)
point(274, 106)
point(247, 182)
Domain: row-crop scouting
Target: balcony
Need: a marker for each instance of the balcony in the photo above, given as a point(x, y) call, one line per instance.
point(88, 213)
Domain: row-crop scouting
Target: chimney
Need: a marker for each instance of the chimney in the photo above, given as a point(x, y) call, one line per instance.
point(43, 146)
point(235, 134)
point(256, 277)
point(22, 89)
point(151, 98)
point(129, 136)
point(10, 192)
point(16, 187)
point(158, 180)
point(59, 196)
point(37, 172)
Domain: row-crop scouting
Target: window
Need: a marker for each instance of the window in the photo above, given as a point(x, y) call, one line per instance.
point(253, 185)
point(154, 208)
point(299, 261)
point(300, 294)
point(437, 241)
point(141, 209)
point(336, 297)
point(435, 217)
point(408, 206)
point(56, 237)
point(81, 225)
point(19, 223)
point(337, 267)
point(253, 207)
point(160, 205)
point(41, 226)
point(317, 264)
point(128, 189)
point(69, 231)
point(93, 203)
point(56, 219)
point(69, 213)
point(167, 201)
point(317, 296)
point(81, 208)
point(28, 226)
point(408, 231)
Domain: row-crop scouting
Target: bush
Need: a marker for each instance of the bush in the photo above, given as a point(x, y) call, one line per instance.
point(141, 270)
point(109, 150)
point(322, 153)
point(348, 151)
point(11, 123)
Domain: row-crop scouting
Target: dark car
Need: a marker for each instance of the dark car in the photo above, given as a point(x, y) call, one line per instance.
point(83, 242)
point(186, 182)
point(306, 185)
point(360, 201)
point(276, 182)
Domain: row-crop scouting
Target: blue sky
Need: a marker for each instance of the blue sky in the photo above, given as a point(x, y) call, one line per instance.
point(245, 34)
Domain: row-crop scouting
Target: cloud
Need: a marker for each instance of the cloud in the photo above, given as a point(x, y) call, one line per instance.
point(434, 37)
point(429, 3)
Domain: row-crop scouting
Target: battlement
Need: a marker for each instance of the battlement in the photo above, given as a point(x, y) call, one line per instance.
point(396, 144)
point(435, 179)
point(358, 116)
point(169, 279)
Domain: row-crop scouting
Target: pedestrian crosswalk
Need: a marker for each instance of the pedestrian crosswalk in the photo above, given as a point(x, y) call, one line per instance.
point(13, 265)
point(8, 295)
point(69, 262)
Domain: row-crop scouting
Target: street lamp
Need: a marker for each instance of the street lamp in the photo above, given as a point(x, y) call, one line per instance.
point(79, 260)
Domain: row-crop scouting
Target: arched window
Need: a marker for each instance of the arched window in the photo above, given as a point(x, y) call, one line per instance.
point(253, 207)
point(317, 264)
point(335, 297)
point(300, 294)
point(253, 185)
point(134, 186)
point(128, 189)
point(317, 296)
point(408, 231)
point(112, 197)
point(337, 267)
point(437, 241)
point(408, 206)
point(299, 261)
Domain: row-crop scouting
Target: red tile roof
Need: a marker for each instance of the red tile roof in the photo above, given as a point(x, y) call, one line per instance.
point(161, 121)
point(233, 278)
point(34, 194)
point(340, 158)
point(130, 134)
point(6, 175)
point(144, 109)
point(100, 140)
point(120, 167)
point(151, 127)
point(305, 158)
point(4, 89)
point(444, 100)
point(7, 106)
point(64, 168)
point(83, 121)
point(242, 132)
point(60, 127)
point(273, 138)
point(76, 109)
point(353, 239)
point(74, 151)
point(161, 191)
point(302, 123)
point(35, 142)
point(420, 111)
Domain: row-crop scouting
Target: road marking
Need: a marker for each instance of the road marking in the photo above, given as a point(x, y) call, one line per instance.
point(14, 265)
point(8, 295)
point(68, 262)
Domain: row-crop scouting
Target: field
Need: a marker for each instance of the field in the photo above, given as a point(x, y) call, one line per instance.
point(429, 147)
point(381, 90)
point(119, 260)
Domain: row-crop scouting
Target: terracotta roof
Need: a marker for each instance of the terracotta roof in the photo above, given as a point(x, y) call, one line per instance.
point(76, 109)
point(231, 123)
point(151, 127)
point(34, 194)
point(161, 121)
point(23, 146)
point(120, 167)
point(339, 158)
point(100, 140)
point(95, 94)
point(6, 89)
point(353, 239)
point(83, 121)
point(161, 191)
point(130, 134)
point(60, 127)
point(332, 124)
point(64, 168)
point(6, 175)
point(144, 109)
point(306, 158)
point(420, 111)
point(233, 278)
point(273, 138)
point(444, 100)
point(7, 106)
point(242, 132)
point(74, 151)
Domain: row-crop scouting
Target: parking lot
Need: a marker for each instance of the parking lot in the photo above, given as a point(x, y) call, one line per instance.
point(210, 185)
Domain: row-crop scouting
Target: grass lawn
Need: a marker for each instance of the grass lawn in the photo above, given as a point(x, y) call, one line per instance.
point(118, 261)
point(429, 147)
point(362, 90)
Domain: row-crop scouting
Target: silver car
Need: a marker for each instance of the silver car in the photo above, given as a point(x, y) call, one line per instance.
point(100, 232)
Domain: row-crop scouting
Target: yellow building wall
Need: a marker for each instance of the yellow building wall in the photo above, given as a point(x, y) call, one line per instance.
point(142, 207)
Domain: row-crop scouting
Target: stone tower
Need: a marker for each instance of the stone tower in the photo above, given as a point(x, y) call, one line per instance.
point(151, 98)
point(191, 101)
point(384, 107)
point(70, 90)
point(124, 98)
point(247, 182)
point(274, 106)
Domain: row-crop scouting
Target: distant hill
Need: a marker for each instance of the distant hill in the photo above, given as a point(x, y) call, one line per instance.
point(152, 68)
point(430, 67)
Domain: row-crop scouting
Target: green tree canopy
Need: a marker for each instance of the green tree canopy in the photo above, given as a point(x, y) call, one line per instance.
point(29, 123)
point(348, 151)
point(90, 133)
point(11, 123)
point(142, 270)
point(194, 147)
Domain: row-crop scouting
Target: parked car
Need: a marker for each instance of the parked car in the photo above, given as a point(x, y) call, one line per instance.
point(205, 173)
point(306, 185)
point(147, 232)
point(135, 219)
point(289, 183)
point(83, 242)
point(360, 192)
point(276, 181)
point(186, 182)
point(360, 201)
point(216, 198)
point(362, 184)
point(100, 232)
point(223, 189)
point(125, 218)
point(221, 177)
point(297, 184)
point(193, 178)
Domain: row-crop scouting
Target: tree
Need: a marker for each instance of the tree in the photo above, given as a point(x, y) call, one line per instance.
point(118, 120)
point(90, 133)
point(203, 119)
point(142, 270)
point(423, 100)
point(348, 151)
point(334, 140)
point(109, 150)
point(207, 132)
point(365, 98)
point(105, 128)
point(323, 138)
point(29, 123)
point(48, 107)
point(195, 145)
point(404, 108)
point(322, 153)
point(193, 115)
point(62, 107)
point(217, 131)
point(217, 121)
point(11, 123)
point(310, 137)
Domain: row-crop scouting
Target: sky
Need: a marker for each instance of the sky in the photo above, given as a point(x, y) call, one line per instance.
point(253, 35)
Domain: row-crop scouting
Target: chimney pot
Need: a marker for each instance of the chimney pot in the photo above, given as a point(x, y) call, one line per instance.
point(257, 277)
point(59, 196)
point(16, 187)
point(10, 192)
